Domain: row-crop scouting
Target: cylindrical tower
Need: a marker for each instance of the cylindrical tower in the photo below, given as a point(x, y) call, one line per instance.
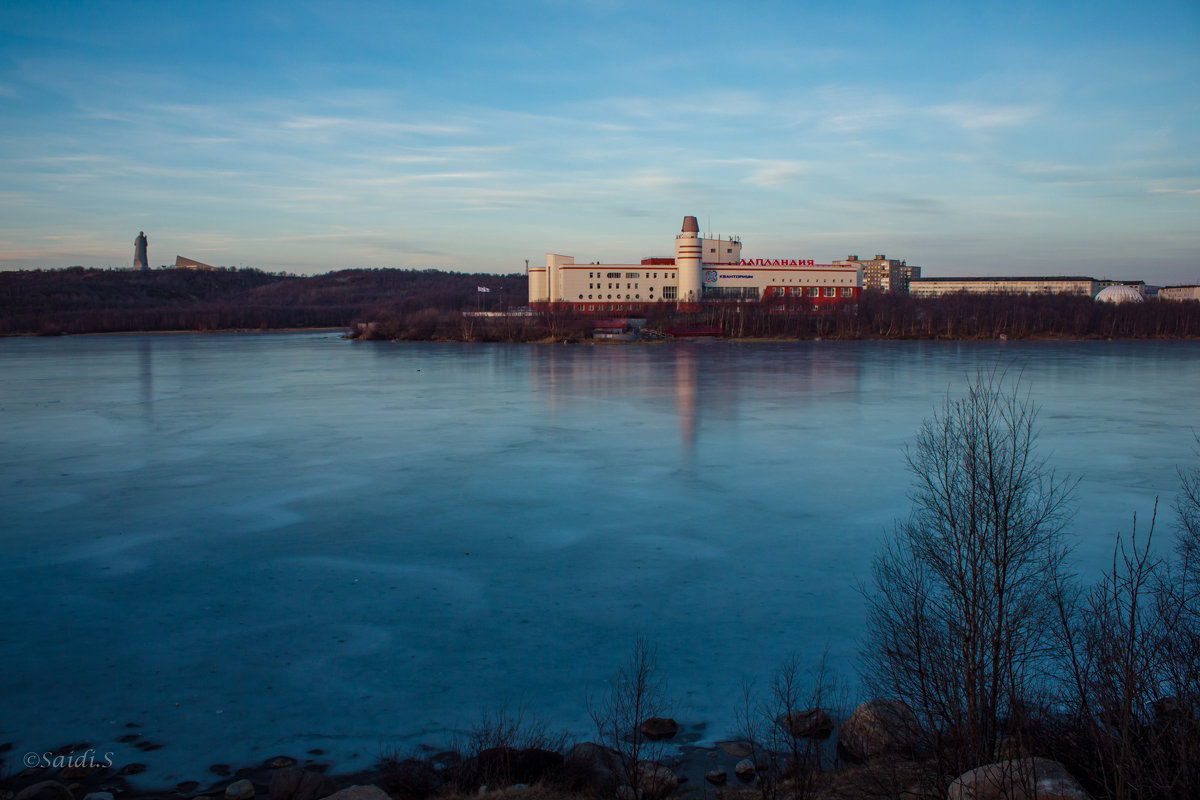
point(688, 254)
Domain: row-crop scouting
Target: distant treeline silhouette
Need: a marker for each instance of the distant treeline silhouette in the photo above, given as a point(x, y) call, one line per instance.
point(430, 305)
point(84, 300)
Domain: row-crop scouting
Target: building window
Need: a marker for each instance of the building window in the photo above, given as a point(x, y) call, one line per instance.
point(580, 297)
point(591, 307)
point(614, 274)
point(847, 291)
point(831, 291)
point(813, 291)
point(632, 275)
point(668, 293)
point(712, 249)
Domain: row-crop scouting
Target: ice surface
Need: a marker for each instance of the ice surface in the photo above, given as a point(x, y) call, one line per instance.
point(288, 541)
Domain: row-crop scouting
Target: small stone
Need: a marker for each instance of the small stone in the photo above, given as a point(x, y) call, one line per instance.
point(737, 749)
point(147, 746)
point(744, 769)
point(222, 770)
point(129, 737)
point(718, 777)
point(239, 790)
point(136, 768)
point(279, 762)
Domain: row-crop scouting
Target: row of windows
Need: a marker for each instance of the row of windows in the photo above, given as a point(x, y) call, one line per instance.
point(803, 280)
point(812, 291)
point(732, 292)
point(627, 286)
point(633, 276)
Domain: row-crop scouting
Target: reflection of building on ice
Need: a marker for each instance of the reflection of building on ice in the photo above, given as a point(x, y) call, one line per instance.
point(704, 269)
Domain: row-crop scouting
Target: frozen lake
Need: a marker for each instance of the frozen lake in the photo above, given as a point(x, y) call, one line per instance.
point(293, 541)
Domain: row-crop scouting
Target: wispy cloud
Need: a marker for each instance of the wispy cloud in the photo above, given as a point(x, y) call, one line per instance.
point(974, 116)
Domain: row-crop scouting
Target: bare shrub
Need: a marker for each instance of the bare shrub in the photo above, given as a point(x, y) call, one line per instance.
point(637, 693)
point(960, 615)
point(787, 728)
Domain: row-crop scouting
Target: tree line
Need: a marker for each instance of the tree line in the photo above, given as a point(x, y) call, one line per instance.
point(432, 304)
point(86, 300)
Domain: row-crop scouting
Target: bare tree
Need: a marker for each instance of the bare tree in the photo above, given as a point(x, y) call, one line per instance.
point(637, 693)
point(960, 614)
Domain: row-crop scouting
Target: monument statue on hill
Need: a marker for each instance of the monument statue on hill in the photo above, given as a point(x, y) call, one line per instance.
point(140, 251)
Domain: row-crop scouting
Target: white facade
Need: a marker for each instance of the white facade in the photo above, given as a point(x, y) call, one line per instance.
point(1179, 293)
point(703, 269)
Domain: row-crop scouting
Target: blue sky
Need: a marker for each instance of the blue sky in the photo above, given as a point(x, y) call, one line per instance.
point(968, 138)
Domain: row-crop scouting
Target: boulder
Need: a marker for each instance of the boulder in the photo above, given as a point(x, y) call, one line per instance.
point(878, 727)
point(503, 766)
point(1018, 779)
point(655, 780)
point(812, 723)
point(294, 783)
point(46, 790)
point(717, 777)
point(367, 792)
point(598, 765)
point(240, 790)
point(744, 769)
point(533, 764)
point(658, 728)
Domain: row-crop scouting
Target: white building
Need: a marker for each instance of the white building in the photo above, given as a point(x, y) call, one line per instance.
point(703, 270)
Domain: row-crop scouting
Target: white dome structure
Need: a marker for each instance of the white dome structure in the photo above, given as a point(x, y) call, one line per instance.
point(1119, 294)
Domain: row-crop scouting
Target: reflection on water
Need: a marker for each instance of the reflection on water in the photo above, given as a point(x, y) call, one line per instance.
point(310, 542)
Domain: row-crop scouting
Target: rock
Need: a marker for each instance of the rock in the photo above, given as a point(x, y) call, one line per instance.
point(220, 769)
point(187, 787)
point(655, 780)
point(717, 777)
point(46, 790)
point(367, 792)
point(658, 728)
point(136, 768)
point(279, 762)
point(1018, 779)
point(294, 783)
point(812, 723)
point(533, 764)
point(877, 727)
point(240, 790)
point(600, 766)
point(737, 749)
point(744, 769)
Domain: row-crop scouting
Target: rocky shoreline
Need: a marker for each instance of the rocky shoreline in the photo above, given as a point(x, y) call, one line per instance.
point(878, 750)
